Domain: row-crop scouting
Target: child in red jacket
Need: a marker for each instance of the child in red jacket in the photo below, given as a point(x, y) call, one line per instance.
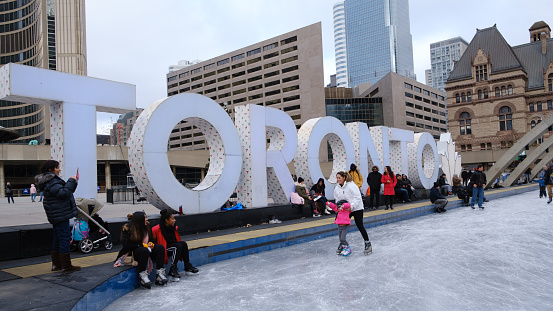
point(167, 235)
point(343, 221)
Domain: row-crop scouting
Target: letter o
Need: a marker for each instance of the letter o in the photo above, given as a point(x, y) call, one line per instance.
point(310, 136)
point(150, 165)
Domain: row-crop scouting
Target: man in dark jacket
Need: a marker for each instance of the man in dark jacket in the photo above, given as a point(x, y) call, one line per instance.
point(549, 181)
point(59, 205)
point(374, 181)
point(444, 186)
point(438, 199)
point(478, 181)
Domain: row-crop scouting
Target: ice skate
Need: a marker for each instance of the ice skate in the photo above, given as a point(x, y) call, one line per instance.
point(144, 280)
point(346, 251)
point(339, 250)
point(368, 248)
point(174, 274)
point(189, 269)
point(161, 279)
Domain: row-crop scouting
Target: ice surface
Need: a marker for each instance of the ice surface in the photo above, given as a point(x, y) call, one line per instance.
point(500, 258)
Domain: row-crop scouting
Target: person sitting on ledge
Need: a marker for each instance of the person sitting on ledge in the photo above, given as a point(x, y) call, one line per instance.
point(167, 235)
point(438, 199)
point(137, 238)
point(307, 199)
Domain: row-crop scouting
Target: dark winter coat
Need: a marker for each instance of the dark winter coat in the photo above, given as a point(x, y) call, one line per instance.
point(547, 176)
point(441, 181)
point(478, 178)
point(374, 180)
point(435, 195)
point(58, 201)
point(464, 175)
point(8, 189)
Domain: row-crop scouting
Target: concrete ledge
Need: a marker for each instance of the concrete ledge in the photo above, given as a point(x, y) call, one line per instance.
point(126, 281)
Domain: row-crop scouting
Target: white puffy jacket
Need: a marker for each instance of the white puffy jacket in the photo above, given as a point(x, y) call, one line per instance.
point(349, 192)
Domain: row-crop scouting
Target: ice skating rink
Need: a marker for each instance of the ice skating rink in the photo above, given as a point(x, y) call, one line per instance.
point(499, 258)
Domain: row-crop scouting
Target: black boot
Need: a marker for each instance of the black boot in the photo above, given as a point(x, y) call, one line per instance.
point(190, 269)
point(56, 263)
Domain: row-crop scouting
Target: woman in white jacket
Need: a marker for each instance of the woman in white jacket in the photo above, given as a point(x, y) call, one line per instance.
point(347, 190)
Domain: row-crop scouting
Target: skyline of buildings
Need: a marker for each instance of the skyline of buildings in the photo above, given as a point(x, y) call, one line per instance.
point(443, 55)
point(371, 39)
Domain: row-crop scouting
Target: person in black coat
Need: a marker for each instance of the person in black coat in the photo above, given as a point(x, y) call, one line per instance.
point(318, 194)
point(438, 199)
point(465, 177)
point(9, 192)
point(478, 181)
point(60, 206)
point(547, 176)
point(374, 181)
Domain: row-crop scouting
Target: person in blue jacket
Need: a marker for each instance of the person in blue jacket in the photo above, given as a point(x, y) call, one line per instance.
point(541, 182)
point(59, 205)
point(438, 199)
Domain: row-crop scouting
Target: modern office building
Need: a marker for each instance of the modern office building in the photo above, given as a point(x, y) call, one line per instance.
point(284, 72)
point(372, 38)
point(394, 101)
point(42, 33)
point(443, 56)
point(347, 105)
point(410, 105)
point(497, 92)
point(121, 130)
point(428, 77)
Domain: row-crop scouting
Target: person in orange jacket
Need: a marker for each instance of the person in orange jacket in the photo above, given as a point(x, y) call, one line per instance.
point(389, 180)
point(167, 235)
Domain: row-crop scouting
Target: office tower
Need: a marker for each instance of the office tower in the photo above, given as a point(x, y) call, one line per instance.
point(497, 92)
point(443, 56)
point(42, 33)
point(284, 72)
point(372, 38)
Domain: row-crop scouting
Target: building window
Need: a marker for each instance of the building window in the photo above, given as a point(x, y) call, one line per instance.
point(469, 96)
point(496, 92)
point(463, 97)
point(457, 98)
point(549, 105)
point(481, 73)
point(503, 91)
point(480, 94)
point(550, 82)
point(538, 106)
point(486, 94)
point(505, 119)
point(510, 89)
point(531, 107)
point(465, 123)
point(532, 124)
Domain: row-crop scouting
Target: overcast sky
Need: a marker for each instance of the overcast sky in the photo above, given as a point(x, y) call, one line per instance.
point(135, 41)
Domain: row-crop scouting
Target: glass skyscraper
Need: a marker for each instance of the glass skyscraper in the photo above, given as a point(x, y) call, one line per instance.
point(372, 38)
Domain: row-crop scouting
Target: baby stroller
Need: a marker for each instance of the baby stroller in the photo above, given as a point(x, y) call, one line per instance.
point(86, 235)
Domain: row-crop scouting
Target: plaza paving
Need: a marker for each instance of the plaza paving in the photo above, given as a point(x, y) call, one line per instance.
point(499, 258)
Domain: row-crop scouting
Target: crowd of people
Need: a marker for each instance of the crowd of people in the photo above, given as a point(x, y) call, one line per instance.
point(161, 245)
